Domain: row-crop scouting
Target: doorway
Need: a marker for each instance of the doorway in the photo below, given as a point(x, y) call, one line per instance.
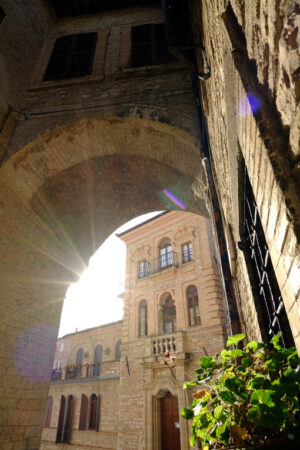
point(169, 422)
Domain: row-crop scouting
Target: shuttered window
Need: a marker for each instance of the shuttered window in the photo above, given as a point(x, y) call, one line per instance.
point(118, 351)
point(94, 414)
point(48, 412)
point(83, 412)
point(143, 331)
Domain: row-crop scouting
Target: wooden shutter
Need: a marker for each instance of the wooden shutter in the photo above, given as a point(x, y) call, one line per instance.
point(98, 413)
point(48, 412)
point(69, 420)
point(83, 412)
point(60, 420)
point(125, 48)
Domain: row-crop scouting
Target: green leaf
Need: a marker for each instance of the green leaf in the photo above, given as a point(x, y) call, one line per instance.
point(227, 397)
point(218, 411)
point(234, 340)
point(246, 362)
point(263, 397)
point(192, 441)
point(254, 346)
point(187, 413)
point(189, 383)
point(236, 353)
point(275, 341)
point(207, 362)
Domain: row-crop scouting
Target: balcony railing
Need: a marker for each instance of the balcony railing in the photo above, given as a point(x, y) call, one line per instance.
point(56, 374)
point(164, 344)
point(74, 372)
point(159, 265)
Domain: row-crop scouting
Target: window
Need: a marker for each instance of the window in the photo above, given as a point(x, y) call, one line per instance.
point(72, 56)
point(142, 269)
point(165, 254)
point(65, 419)
point(118, 351)
point(97, 360)
point(83, 412)
point(169, 315)
point(193, 306)
point(78, 364)
point(187, 253)
point(94, 414)
point(2, 14)
point(48, 412)
point(143, 331)
point(149, 45)
point(61, 347)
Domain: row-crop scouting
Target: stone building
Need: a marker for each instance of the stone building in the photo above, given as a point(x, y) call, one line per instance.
point(100, 122)
point(174, 312)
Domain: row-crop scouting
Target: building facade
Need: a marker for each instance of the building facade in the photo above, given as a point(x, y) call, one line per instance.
point(99, 123)
point(174, 312)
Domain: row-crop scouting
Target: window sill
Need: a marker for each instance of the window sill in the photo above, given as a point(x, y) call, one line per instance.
point(149, 70)
point(65, 82)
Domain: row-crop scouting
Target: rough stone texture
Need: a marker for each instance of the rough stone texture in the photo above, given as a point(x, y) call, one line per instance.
point(253, 51)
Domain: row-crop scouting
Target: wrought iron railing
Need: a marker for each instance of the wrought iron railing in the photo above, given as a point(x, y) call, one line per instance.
point(159, 265)
point(74, 371)
point(93, 370)
point(56, 374)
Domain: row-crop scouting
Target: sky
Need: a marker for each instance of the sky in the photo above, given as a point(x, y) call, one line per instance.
point(95, 300)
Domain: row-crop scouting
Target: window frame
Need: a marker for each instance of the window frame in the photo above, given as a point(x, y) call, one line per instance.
point(193, 308)
point(172, 319)
point(68, 55)
point(143, 306)
point(187, 255)
point(142, 269)
point(165, 253)
point(153, 43)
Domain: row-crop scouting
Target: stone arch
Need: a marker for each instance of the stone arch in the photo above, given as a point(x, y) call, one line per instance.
point(60, 197)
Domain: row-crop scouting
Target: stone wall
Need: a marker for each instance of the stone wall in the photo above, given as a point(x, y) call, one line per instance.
point(253, 51)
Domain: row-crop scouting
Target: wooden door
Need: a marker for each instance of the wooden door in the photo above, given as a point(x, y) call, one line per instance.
point(169, 418)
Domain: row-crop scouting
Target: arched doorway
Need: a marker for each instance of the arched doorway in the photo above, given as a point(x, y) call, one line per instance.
point(60, 197)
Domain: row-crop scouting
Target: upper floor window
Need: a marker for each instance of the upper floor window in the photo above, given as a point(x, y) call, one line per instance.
point(118, 351)
point(61, 346)
point(72, 56)
point(169, 315)
point(165, 253)
point(187, 253)
point(142, 269)
point(149, 45)
point(97, 360)
point(143, 331)
point(193, 306)
point(2, 14)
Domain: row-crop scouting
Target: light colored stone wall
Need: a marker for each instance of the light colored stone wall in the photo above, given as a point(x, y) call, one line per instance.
point(148, 378)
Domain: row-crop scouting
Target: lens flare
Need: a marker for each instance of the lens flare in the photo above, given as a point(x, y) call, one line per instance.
point(30, 359)
point(174, 199)
point(249, 104)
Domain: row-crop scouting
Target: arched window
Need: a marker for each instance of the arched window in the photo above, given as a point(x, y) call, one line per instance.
point(79, 359)
point(97, 360)
point(48, 412)
point(94, 414)
point(169, 315)
point(118, 351)
point(65, 420)
point(83, 412)
point(143, 328)
point(61, 415)
point(165, 254)
point(193, 306)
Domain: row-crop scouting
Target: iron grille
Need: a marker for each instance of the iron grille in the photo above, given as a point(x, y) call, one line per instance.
point(160, 264)
point(272, 315)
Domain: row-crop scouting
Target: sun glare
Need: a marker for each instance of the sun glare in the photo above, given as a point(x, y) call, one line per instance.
point(95, 299)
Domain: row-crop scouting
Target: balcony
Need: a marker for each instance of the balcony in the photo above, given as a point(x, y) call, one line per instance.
point(73, 371)
point(164, 344)
point(158, 265)
point(156, 347)
point(56, 374)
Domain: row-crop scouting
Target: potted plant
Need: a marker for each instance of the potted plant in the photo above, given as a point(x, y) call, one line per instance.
point(247, 398)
